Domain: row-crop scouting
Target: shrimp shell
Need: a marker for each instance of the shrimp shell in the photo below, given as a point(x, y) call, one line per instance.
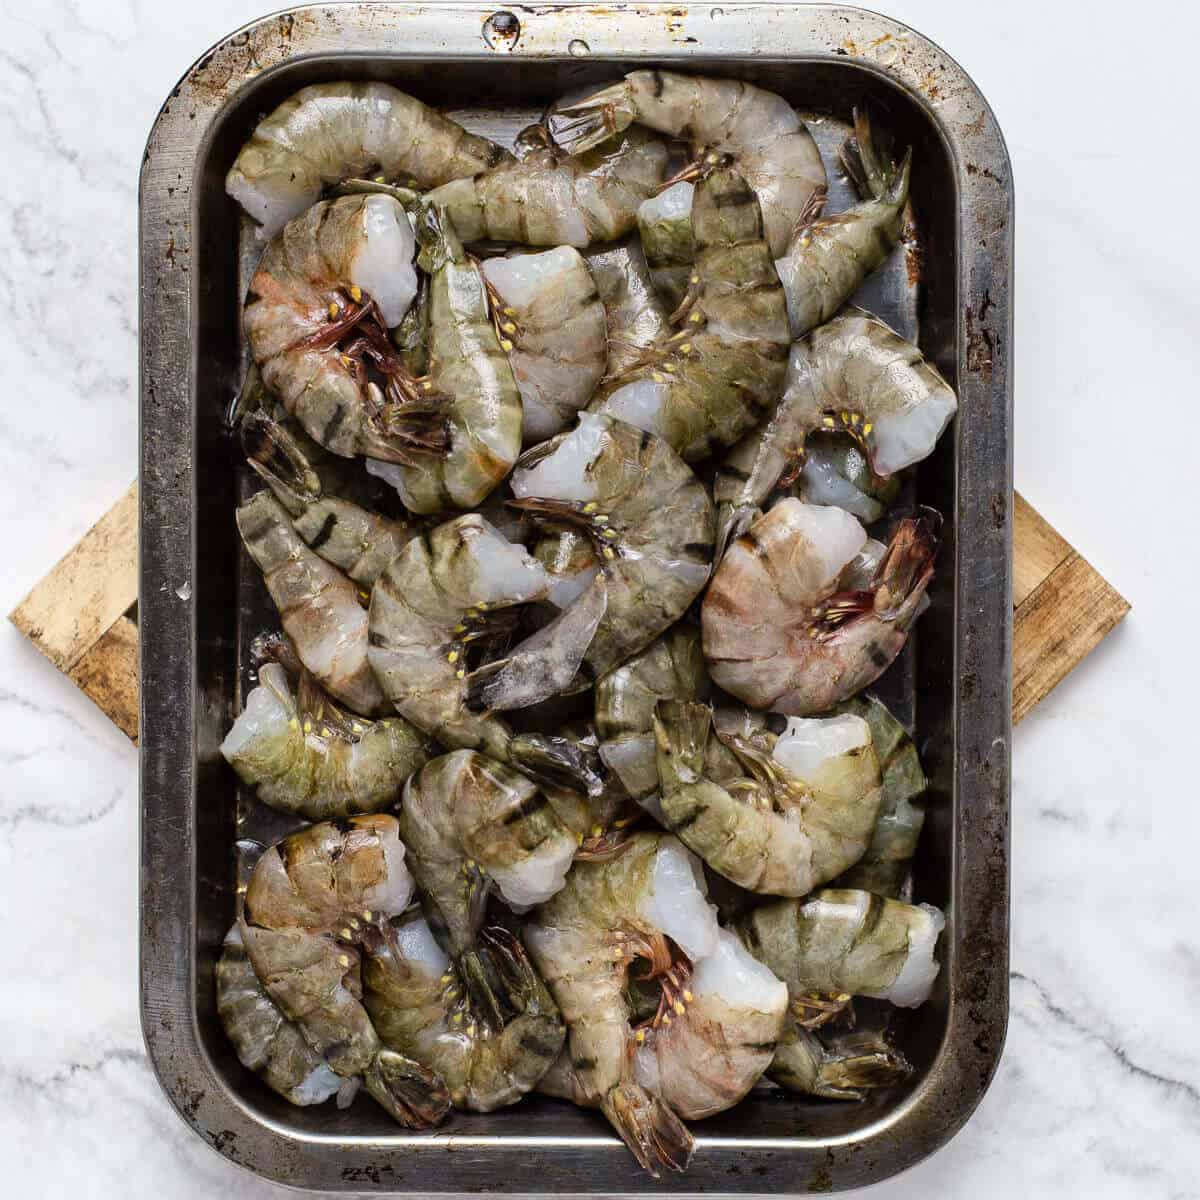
point(778, 635)
point(310, 759)
point(828, 258)
point(416, 998)
point(553, 199)
point(318, 606)
point(551, 315)
point(757, 131)
point(713, 380)
point(329, 132)
point(646, 513)
point(467, 365)
point(339, 267)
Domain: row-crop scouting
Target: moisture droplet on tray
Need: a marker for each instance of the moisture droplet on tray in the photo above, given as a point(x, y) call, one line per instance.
point(501, 31)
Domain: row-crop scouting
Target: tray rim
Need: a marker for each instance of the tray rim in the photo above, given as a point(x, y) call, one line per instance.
point(978, 1004)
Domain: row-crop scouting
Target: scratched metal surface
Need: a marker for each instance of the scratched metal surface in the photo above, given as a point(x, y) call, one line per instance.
point(947, 287)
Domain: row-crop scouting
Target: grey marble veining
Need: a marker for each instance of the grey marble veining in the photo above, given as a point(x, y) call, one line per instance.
point(1098, 1093)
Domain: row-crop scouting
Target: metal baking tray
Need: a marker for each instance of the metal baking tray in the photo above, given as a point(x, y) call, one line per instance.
point(949, 285)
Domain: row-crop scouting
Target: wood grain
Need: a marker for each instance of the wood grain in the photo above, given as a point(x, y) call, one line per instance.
point(1061, 622)
point(76, 615)
point(69, 610)
point(108, 673)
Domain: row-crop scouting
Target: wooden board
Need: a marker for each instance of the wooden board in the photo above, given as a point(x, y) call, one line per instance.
point(78, 615)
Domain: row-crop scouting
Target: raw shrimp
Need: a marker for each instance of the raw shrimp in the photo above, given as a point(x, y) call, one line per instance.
point(648, 516)
point(583, 941)
point(796, 818)
point(843, 1067)
point(777, 633)
point(885, 867)
point(708, 384)
point(318, 605)
point(470, 824)
point(553, 326)
point(828, 257)
point(549, 198)
point(725, 121)
point(725, 1022)
point(467, 365)
point(670, 668)
point(416, 1000)
point(857, 377)
point(329, 132)
point(305, 756)
point(636, 318)
point(635, 314)
point(354, 539)
point(849, 942)
point(325, 292)
point(312, 901)
point(266, 1042)
point(449, 592)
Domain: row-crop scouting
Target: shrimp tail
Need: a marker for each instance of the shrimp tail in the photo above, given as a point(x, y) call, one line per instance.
point(412, 1094)
point(439, 243)
point(906, 569)
point(681, 731)
point(524, 991)
point(277, 459)
point(545, 662)
point(482, 988)
point(867, 159)
point(558, 761)
point(654, 1134)
point(593, 120)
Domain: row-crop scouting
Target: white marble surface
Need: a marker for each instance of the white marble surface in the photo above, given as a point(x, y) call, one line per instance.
point(1098, 1093)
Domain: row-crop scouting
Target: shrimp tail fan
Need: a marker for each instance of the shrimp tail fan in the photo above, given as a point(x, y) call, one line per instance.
point(680, 735)
point(905, 570)
point(866, 157)
point(278, 460)
point(656, 1137)
point(412, 1094)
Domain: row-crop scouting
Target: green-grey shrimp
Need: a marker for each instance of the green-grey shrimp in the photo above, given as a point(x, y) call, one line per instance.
point(854, 376)
point(553, 326)
point(468, 367)
point(356, 540)
point(312, 902)
point(885, 868)
point(646, 903)
point(647, 514)
point(318, 605)
point(847, 942)
point(329, 132)
point(417, 1002)
point(452, 594)
point(777, 632)
point(798, 816)
point(670, 668)
point(265, 1041)
point(710, 382)
point(471, 825)
point(725, 121)
point(304, 755)
point(325, 292)
point(549, 198)
point(828, 257)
